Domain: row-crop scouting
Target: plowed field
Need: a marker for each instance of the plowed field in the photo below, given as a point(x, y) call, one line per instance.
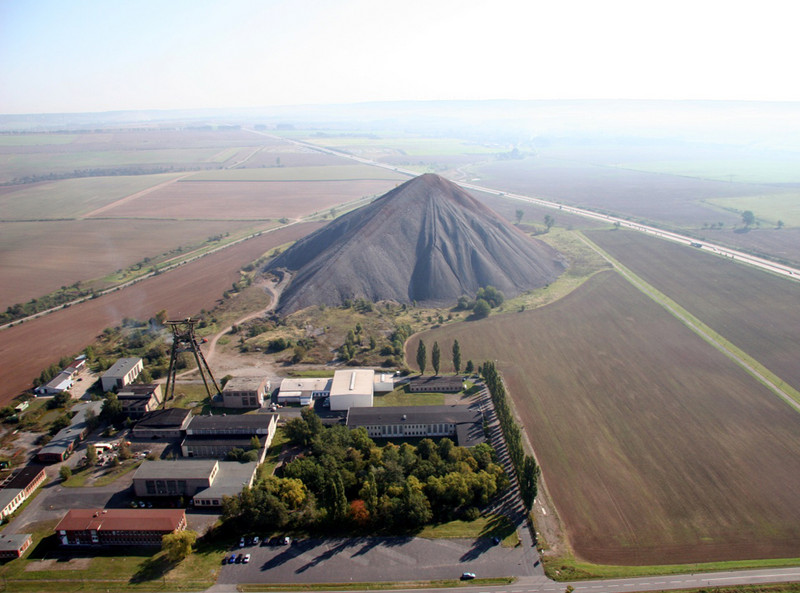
point(27, 348)
point(246, 200)
point(655, 447)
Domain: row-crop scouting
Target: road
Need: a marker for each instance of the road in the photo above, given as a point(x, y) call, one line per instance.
point(738, 256)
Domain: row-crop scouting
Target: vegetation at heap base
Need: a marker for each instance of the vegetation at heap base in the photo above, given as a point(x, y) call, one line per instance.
point(525, 465)
point(345, 481)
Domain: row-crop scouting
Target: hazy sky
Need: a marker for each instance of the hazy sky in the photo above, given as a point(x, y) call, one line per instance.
point(73, 55)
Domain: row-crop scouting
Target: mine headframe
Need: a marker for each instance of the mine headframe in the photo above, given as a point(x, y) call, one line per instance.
point(184, 340)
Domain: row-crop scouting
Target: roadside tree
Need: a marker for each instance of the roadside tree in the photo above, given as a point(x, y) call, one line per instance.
point(435, 358)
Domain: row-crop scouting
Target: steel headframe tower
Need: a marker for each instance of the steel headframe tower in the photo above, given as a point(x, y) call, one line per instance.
point(184, 340)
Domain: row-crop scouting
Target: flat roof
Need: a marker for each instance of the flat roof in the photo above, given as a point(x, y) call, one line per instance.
point(231, 478)
point(172, 417)
point(244, 384)
point(122, 520)
point(435, 381)
point(122, 367)
point(13, 541)
point(245, 423)
point(412, 415)
point(7, 495)
point(138, 390)
point(23, 477)
point(353, 381)
point(309, 384)
point(179, 469)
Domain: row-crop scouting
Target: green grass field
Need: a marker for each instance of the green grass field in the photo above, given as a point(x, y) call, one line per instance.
point(401, 397)
point(36, 139)
point(771, 208)
point(655, 447)
point(327, 173)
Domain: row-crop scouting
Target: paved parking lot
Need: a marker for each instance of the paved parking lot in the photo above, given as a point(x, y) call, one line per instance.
point(371, 559)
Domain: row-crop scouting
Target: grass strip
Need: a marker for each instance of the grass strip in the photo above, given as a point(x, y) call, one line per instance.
point(567, 568)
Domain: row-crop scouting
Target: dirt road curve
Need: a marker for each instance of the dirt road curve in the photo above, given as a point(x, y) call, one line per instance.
point(27, 348)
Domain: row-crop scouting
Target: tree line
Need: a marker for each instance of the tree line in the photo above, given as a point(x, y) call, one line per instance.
point(525, 465)
point(344, 480)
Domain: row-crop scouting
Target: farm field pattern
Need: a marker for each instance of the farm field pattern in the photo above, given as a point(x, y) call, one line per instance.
point(655, 447)
point(756, 311)
point(28, 348)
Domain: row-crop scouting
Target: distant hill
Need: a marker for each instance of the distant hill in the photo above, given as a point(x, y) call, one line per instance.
point(427, 241)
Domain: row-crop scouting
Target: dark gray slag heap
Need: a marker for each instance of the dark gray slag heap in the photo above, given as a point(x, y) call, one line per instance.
point(426, 241)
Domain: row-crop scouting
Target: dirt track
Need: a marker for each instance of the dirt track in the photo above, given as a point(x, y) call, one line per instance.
point(27, 348)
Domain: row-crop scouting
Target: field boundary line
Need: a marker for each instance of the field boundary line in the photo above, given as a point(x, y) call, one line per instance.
point(757, 370)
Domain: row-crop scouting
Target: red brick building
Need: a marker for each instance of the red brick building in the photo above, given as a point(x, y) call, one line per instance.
point(119, 527)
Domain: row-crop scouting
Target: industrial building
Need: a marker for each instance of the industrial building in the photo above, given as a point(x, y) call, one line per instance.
point(122, 373)
point(245, 392)
point(462, 423)
point(352, 388)
point(303, 391)
point(118, 527)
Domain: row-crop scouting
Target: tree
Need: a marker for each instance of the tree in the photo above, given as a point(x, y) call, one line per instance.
point(435, 358)
point(255, 443)
point(421, 357)
point(529, 483)
point(91, 454)
point(161, 317)
point(470, 368)
point(519, 214)
point(65, 472)
point(481, 309)
point(549, 221)
point(780, 224)
point(748, 218)
point(112, 408)
point(456, 356)
point(178, 545)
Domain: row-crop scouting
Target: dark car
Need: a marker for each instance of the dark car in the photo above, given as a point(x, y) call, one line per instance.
point(239, 558)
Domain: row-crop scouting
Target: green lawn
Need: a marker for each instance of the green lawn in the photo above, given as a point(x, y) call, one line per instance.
point(768, 208)
point(401, 397)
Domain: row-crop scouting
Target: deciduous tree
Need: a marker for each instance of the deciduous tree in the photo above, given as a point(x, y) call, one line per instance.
point(178, 545)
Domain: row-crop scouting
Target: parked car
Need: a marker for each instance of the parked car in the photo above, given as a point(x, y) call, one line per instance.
point(467, 576)
point(241, 542)
point(239, 558)
point(246, 559)
point(286, 540)
point(255, 540)
point(232, 559)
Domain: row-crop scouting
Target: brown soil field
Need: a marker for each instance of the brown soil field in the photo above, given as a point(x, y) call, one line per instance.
point(247, 200)
point(651, 196)
point(27, 348)
point(755, 310)
point(40, 257)
point(655, 447)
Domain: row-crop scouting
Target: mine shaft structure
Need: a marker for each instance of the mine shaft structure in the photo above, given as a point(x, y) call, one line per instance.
point(184, 340)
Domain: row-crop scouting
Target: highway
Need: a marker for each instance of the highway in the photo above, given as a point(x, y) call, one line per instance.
point(719, 250)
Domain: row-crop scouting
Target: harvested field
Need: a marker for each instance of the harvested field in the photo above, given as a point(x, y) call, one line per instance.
point(318, 173)
point(71, 198)
point(27, 348)
point(655, 447)
point(294, 156)
point(650, 196)
point(755, 310)
point(40, 257)
point(246, 200)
